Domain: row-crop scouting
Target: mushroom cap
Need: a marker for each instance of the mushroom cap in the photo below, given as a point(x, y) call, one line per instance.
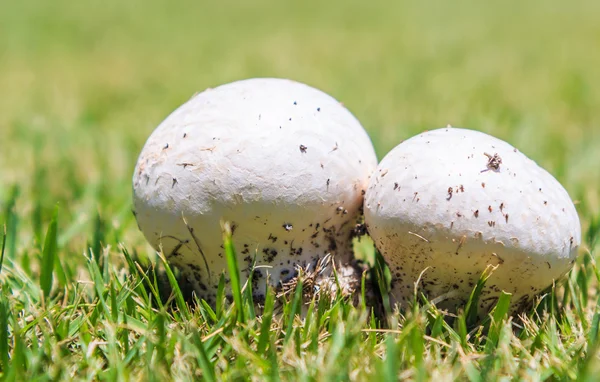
point(284, 163)
point(449, 202)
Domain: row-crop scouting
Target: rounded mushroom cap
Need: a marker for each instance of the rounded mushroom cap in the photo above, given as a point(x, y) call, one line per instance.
point(284, 163)
point(450, 202)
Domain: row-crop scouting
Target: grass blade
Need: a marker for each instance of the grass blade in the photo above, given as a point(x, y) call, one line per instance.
point(98, 238)
point(208, 372)
point(586, 367)
point(206, 310)
point(219, 308)
point(273, 360)
point(59, 270)
point(498, 315)
point(248, 293)
point(179, 299)
point(471, 313)
point(294, 309)
point(49, 254)
point(382, 276)
point(134, 271)
point(595, 327)
point(4, 337)
point(417, 346)
point(593, 232)
point(265, 328)
point(391, 359)
point(461, 329)
point(114, 307)
point(3, 248)
point(234, 272)
point(12, 221)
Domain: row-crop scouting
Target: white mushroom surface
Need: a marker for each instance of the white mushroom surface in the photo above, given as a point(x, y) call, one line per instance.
point(447, 203)
point(284, 163)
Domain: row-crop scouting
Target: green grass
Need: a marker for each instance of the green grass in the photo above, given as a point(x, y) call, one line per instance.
point(83, 85)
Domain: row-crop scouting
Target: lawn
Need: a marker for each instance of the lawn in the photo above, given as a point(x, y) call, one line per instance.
point(84, 83)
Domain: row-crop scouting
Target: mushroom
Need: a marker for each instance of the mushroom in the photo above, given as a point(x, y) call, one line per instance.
point(444, 205)
point(284, 163)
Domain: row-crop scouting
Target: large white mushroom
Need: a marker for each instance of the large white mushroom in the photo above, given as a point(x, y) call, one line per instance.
point(286, 164)
point(445, 204)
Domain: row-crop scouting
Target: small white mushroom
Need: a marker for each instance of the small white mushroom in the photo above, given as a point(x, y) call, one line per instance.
point(453, 201)
point(284, 163)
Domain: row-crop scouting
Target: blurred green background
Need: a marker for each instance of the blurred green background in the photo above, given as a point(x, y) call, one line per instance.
point(84, 83)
